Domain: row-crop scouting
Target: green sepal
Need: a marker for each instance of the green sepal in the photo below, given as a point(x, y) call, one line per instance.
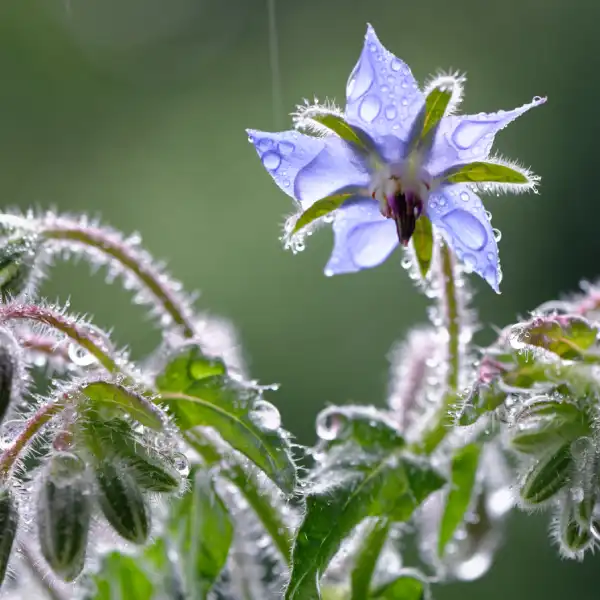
point(463, 476)
point(547, 477)
point(484, 172)
point(17, 261)
point(436, 104)
point(404, 587)
point(64, 513)
point(320, 209)
point(338, 125)
point(8, 367)
point(422, 242)
point(122, 502)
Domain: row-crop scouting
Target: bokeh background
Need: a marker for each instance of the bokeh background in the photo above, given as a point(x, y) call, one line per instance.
point(135, 110)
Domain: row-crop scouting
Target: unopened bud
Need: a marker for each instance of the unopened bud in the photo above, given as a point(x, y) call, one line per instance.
point(17, 261)
point(122, 502)
point(64, 515)
point(9, 519)
point(547, 476)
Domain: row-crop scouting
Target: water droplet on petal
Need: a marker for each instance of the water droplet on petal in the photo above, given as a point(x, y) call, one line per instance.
point(469, 132)
point(264, 144)
point(464, 196)
point(497, 234)
point(470, 262)
point(271, 160)
point(466, 228)
point(360, 80)
point(285, 148)
point(390, 112)
point(396, 64)
point(369, 108)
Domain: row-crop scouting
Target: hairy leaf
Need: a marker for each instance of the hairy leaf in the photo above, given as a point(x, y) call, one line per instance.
point(239, 414)
point(436, 104)
point(367, 556)
point(320, 208)
point(422, 241)
point(482, 172)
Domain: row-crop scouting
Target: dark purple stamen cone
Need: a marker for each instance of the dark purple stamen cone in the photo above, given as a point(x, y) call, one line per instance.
point(406, 209)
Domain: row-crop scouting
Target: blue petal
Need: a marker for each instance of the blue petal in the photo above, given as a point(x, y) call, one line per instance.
point(363, 238)
point(382, 96)
point(468, 138)
point(458, 213)
point(309, 168)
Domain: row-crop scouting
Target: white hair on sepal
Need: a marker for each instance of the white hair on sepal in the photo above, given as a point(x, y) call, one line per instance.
point(305, 118)
point(496, 187)
point(295, 241)
point(444, 80)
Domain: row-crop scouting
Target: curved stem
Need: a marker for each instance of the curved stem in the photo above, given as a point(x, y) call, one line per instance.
point(140, 266)
point(450, 309)
point(42, 578)
point(34, 424)
point(83, 336)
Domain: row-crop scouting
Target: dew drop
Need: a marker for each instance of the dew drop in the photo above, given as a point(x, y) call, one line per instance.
point(265, 144)
point(390, 112)
point(265, 416)
point(396, 65)
point(466, 228)
point(464, 196)
point(181, 463)
point(285, 148)
point(79, 356)
point(372, 47)
point(329, 425)
point(470, 262)
point(369, 108)
point(443, 201)
point(271, 160)
point(497, 234)
point(385, 89)
point(360, 80)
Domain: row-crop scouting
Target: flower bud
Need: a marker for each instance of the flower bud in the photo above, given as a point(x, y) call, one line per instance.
point(122, 502)
point(9, 519)
point(547, 476)
point(17, 261)
point(64, 515)
point(8, 368)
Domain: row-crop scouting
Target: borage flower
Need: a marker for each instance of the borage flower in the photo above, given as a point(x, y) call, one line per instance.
point(395, 161)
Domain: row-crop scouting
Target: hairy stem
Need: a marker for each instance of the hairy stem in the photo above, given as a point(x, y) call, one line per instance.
point(82, 335)
point(33, 426)
point(450, 309)
point(42, 578)
point(116, 249)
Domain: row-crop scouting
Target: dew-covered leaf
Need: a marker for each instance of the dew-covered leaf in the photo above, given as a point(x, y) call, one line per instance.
point(9, 520)
point(186, 368)
point(319, 209)
point(567, 336)
point(201, 532)
point(422, 241)
point(239, 414)
point(436, 104)
point(109, 396)
point(548, 435)
point(483, 172)
point(367, 556)
point(463, 475)
point(368, 426)
point(351, 484)
point(405, 587)
point(121, 577)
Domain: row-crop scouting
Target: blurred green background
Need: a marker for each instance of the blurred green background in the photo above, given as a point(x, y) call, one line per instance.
point(135, 110)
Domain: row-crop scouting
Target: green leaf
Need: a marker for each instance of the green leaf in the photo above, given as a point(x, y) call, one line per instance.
point(319, 209)
point(549, 435)
point(239, 414)
point(373, 540)
point(547, 477)
point(202, 532)
point(352, 484)
point(269, 507)
point(121, 578)
point(422, 240)
point(567, 336)
point(405, 587)
point(338, 125)
point(482, 172)
point(462, 481)
point(187, 367)
point(109, 396)
point(436, 104)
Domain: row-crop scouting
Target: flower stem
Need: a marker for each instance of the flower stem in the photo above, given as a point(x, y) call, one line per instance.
point(114, 247)
point(42, 578)
point(450, 308)
point(82, 335)
point(33, 425)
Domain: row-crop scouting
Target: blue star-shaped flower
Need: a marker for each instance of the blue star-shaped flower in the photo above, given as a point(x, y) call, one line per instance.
point(387, 161)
